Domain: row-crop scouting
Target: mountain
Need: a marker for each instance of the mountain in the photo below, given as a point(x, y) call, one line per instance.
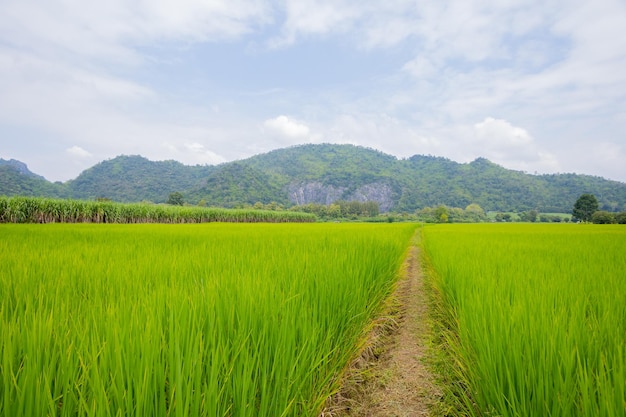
point(324, 174)
point(20, 167)
point(135, 178)
point(236, 183)
point(17, 179)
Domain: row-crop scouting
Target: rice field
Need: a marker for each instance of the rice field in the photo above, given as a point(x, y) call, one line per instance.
point(534, 317)
point(186, 320)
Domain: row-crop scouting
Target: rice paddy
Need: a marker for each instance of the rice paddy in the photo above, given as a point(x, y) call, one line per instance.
point(262, 319)
point(186, 320)
point(534, 317)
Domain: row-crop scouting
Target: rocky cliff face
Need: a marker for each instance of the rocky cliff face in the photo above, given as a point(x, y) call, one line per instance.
point(314, 192)
point(318, 193)
point(378, 192)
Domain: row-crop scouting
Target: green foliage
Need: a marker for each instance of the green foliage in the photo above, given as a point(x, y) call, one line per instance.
point(17, 180)
point(42, 210)
point(475, 210)
point(186, 320)
point(584, 207)
point(413, 184)
point(603, 217)
point(331, 164)
point(552, 218)
point(176, 199)
point(504, 217)
point(134, 178)
point(341, 210)
point(529, 216)
point(238, 184)
point(473, 213)
point(357, 208)
point(324, 212)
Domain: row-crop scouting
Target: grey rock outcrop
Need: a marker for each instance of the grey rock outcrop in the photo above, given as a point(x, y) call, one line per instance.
point(318, 193)
point(314, 192)
point(379, 192)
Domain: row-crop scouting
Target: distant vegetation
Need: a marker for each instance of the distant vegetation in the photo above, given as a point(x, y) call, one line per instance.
point(324, 174)
point(17, 180)
point(43, 210)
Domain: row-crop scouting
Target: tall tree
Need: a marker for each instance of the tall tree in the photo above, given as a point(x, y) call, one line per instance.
point(585, 206)
point(176, 199)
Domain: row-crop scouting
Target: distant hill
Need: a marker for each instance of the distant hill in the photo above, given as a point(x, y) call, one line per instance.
point(324, 174)
point(19, 167)
point(135, 178)
point(17, 179)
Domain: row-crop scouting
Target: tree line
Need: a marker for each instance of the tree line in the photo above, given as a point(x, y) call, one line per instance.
point(586, 210)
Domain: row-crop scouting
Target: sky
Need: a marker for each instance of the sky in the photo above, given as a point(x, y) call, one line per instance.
point(533, 85)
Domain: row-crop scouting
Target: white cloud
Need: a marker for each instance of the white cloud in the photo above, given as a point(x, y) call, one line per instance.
point(383, 132)
point(498, 133)
point(367, 24)
point(287, 127)
point(106, 87)
point(79, 152)
point(100, 77)
point(112, 29)
point(311, 17)
point(511, 146)
point(64, 64)
point(201, 155)
point(421, 67)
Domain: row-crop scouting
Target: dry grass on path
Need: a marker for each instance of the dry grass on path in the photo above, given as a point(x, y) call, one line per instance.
point(391, 378)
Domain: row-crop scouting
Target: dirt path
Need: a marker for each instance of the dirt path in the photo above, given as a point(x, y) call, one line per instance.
point(398, 383)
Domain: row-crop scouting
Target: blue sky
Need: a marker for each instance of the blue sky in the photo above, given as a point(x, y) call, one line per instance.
point(538, 86)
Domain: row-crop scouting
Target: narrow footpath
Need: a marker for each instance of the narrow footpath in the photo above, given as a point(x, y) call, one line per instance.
point(397, 383)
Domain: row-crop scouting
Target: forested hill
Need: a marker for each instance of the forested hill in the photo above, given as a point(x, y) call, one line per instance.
point(134, 178)
point(323, 174)
point(17, 179)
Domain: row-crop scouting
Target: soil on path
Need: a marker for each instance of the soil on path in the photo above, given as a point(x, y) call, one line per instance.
point(398, 383)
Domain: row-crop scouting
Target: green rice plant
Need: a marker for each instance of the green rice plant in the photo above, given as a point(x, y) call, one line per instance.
point(535, 317)
point(186, 320)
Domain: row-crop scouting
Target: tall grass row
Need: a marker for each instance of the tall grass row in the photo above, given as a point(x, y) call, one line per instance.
point(536, 317)
point(44, 210)
point(186, 320)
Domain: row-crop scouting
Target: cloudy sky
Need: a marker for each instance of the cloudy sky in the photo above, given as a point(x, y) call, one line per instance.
point(533, 85)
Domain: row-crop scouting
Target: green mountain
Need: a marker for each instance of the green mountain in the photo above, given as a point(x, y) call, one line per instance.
point(135, 178)
point(17, 179)
point(324, 174)
point(237, 183)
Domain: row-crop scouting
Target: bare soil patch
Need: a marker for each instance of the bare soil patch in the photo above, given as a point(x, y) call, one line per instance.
point(391, 378)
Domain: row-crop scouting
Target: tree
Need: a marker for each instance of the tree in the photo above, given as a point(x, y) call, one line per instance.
point(529, 216)
point(504, 217)
point(584, 207)
point(175, 199)
point(603, 217)
point(475, 213)
point(441, 214)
